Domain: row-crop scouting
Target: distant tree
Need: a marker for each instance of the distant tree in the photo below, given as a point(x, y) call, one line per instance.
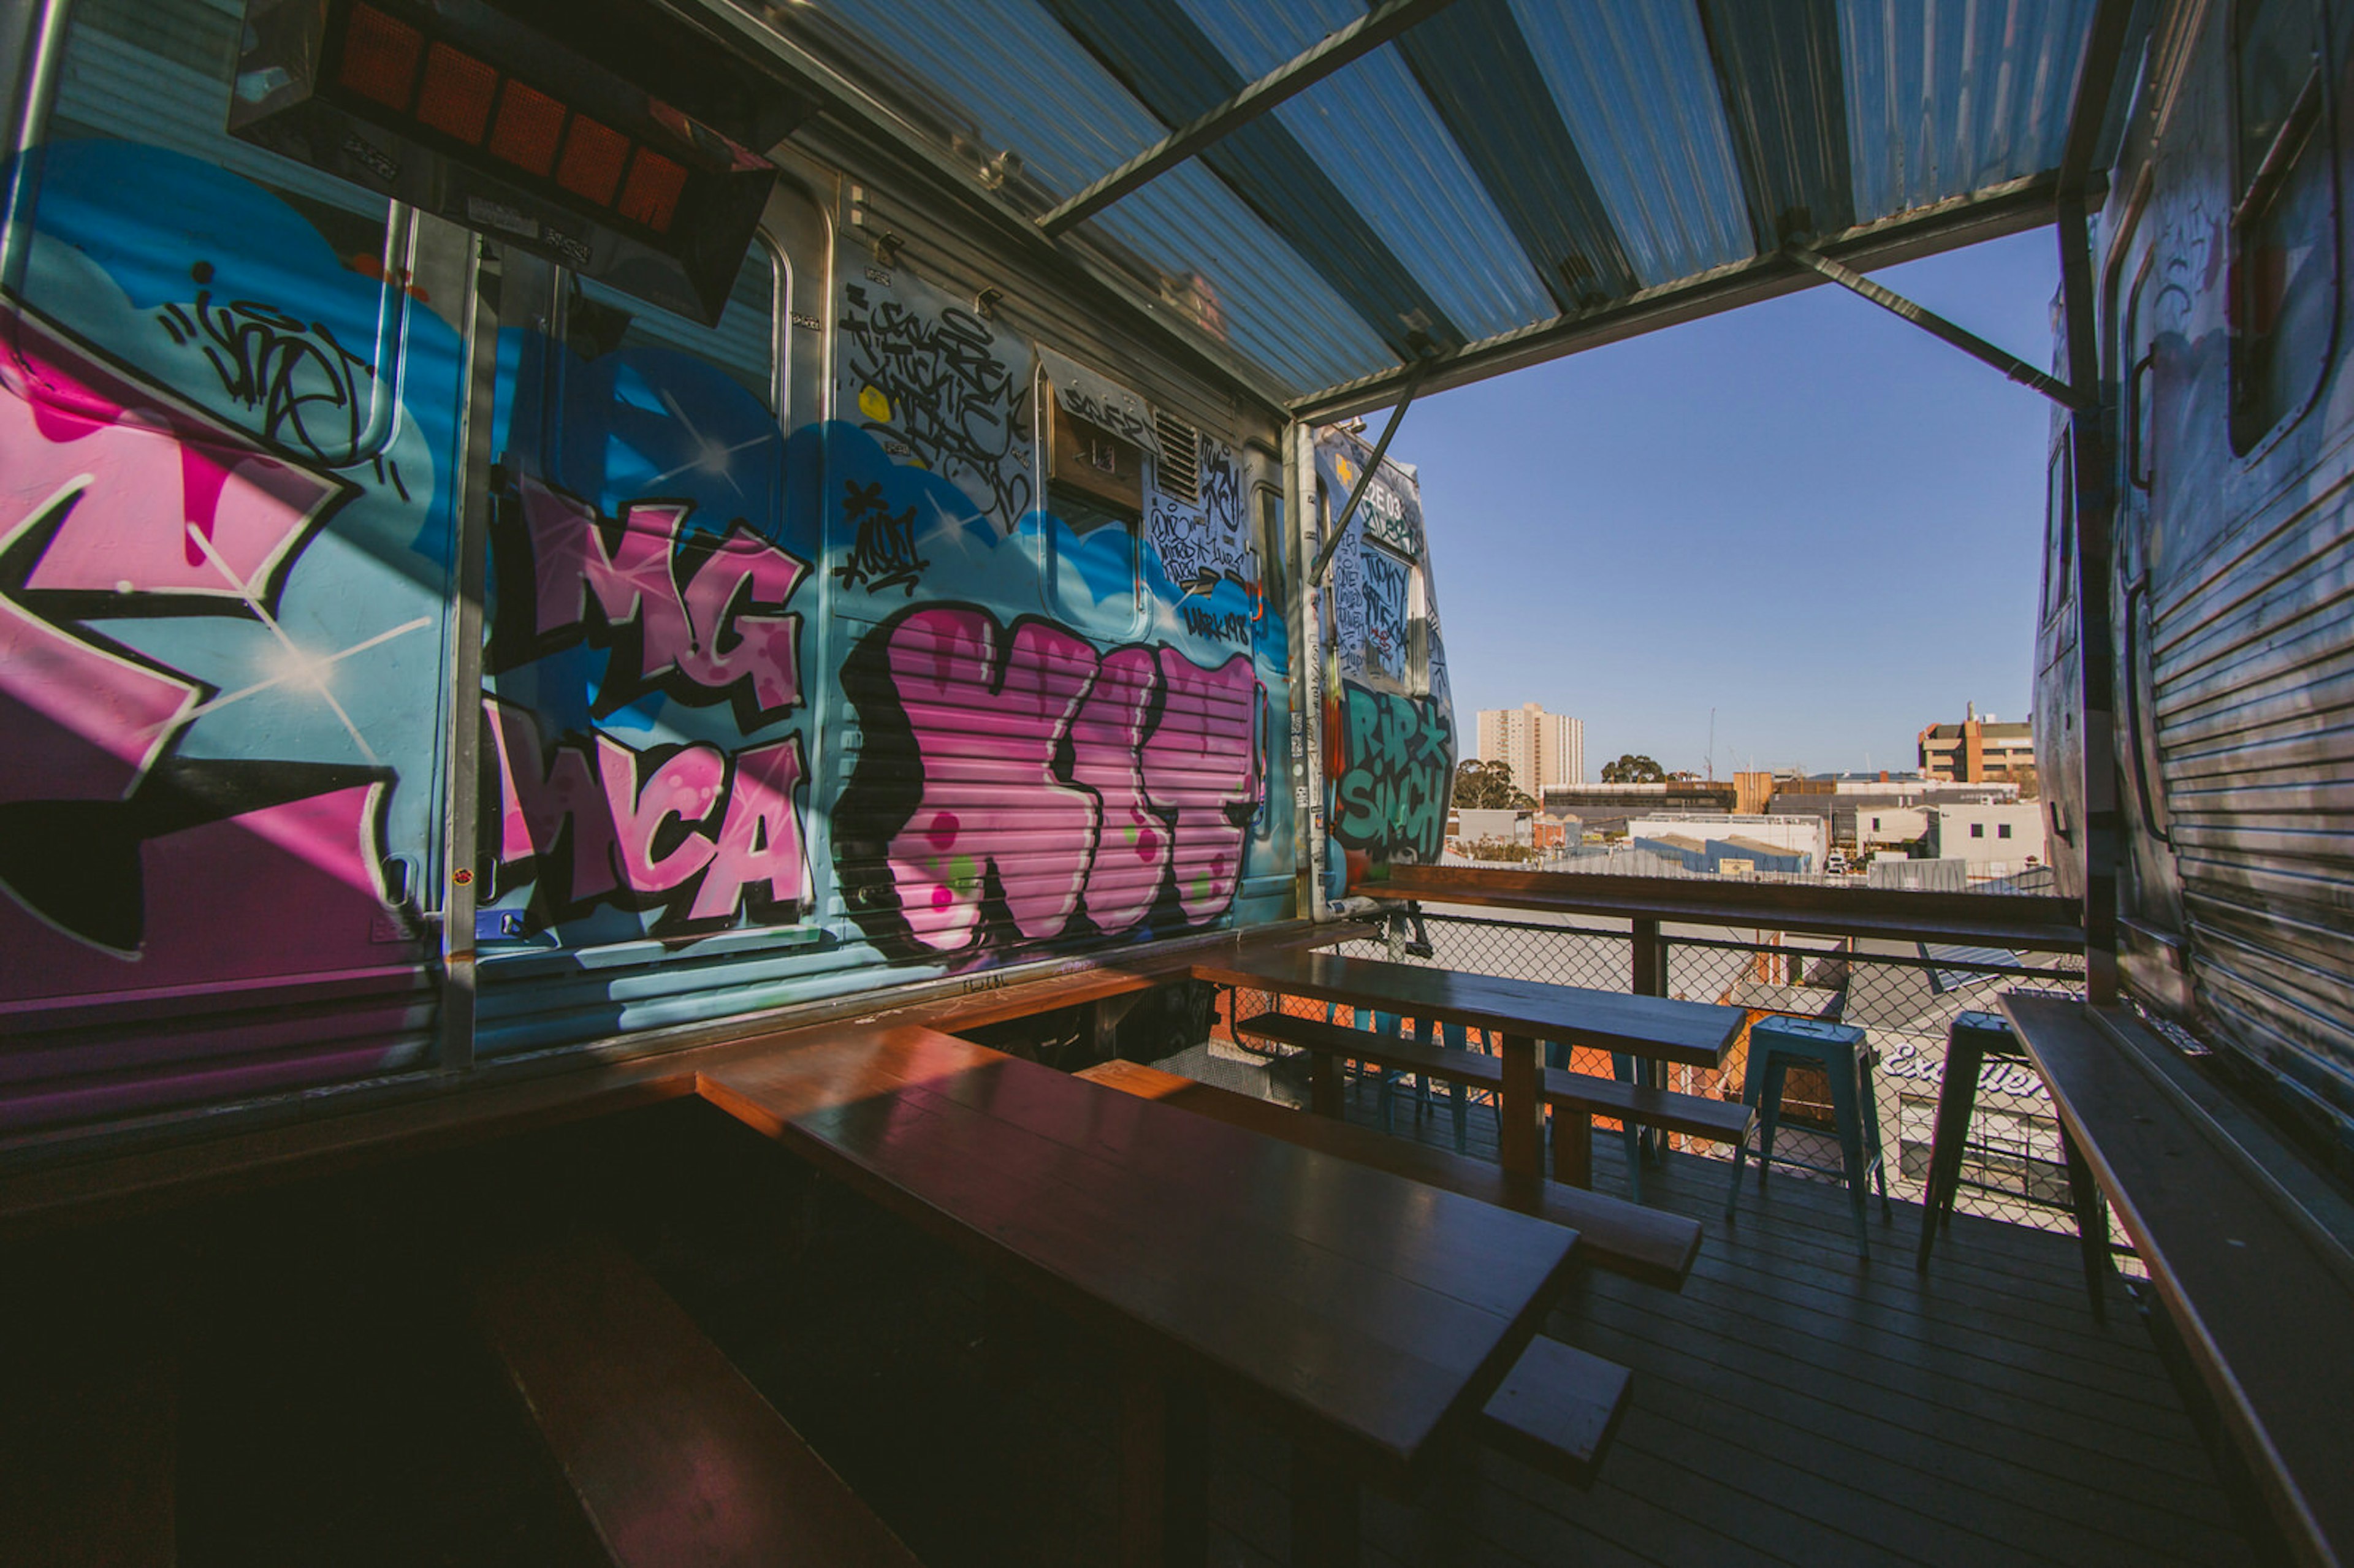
point(1487, 786)
point(1632, 768)
point(1500, 849)
point(2029, 782)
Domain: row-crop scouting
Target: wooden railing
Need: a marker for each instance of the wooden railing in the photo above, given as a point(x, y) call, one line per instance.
point(2022, 922)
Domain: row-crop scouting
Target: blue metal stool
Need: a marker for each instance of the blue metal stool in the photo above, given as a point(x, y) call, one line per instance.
point(1972, 1040)
point(1839, 1049)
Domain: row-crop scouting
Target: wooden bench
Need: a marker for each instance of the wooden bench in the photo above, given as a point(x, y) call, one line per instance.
point(673, 1458)
point(1579, 1096)
point(1557, 1408)
point(2251, 1251)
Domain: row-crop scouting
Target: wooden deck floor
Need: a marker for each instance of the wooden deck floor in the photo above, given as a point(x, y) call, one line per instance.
point(1789, 1407)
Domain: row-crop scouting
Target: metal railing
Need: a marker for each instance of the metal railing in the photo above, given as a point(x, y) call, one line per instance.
point(1904, 993)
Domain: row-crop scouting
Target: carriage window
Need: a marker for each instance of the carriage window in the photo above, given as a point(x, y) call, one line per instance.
point(1093, 565)
point(1389, 618)
point(2141, 371)
point(2060, 534)
point(1272, 547)
point(262, 288)
point(2284, 227)
point(599, 319)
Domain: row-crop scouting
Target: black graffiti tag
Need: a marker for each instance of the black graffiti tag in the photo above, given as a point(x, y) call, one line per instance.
point(306, 387)
point(883, 551)
point(955, 404)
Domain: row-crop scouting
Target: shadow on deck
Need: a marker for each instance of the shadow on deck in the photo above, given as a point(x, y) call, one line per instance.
point(1788, 1405)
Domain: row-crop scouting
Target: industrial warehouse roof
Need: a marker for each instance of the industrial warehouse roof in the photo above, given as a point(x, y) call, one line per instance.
point(1483, 183)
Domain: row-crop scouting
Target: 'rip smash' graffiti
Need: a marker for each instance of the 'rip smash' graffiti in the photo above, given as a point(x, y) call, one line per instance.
point(701, 618)
point(1014, 775)
point(1393, 795)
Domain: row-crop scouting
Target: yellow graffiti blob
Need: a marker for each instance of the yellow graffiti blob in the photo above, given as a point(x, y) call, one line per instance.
point(875, 405)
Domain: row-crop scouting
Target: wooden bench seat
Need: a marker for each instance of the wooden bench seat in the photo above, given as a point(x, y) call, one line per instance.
point(2250, 1248)
point(1578, 1098)
point(1642, 1244)
point(1557, 1410)
point(1580, 1095)
point(674, 1458)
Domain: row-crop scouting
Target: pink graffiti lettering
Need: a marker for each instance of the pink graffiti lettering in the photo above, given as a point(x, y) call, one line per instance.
point(725, 631)
point(1158, 780)
point(987, 736)
point(1107, 744)
point(539, 794)
point(1198, 768)
point(684, 785)
point(639, 828)
point(137, 502)
point(761, 839)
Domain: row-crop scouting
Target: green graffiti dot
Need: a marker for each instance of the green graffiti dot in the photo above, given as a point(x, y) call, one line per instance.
point(964, 874)
point(1129, 829)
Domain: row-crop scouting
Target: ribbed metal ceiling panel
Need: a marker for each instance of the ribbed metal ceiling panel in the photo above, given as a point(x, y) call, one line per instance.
point(1498, 172)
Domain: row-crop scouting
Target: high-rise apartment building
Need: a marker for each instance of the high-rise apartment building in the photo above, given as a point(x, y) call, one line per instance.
point(1541, 748)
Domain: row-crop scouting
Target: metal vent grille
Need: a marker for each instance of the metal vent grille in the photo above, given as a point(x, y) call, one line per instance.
point(1180, 471)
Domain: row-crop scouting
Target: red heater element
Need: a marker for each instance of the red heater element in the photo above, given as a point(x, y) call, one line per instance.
point(528, 124)
point(651, 195)
point(380, 57)
point(593, 156)
point(456, 99)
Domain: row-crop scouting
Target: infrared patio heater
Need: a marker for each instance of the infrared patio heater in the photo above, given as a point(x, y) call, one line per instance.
point(603, 136)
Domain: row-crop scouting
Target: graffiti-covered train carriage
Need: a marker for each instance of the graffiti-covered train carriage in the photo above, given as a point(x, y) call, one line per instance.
point(2202, 565)
point(494, 563)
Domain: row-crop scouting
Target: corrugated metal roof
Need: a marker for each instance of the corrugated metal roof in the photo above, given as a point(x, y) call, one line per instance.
point(1499, 180)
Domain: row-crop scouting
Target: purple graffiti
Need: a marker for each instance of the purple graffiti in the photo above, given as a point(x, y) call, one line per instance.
point(594, 820)
point(1059, 782)
point(723, 634)
point(119, 499)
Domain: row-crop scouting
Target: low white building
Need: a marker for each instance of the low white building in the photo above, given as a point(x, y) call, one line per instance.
point(1474, 824)
point(1997, 840)
point(1878, 825)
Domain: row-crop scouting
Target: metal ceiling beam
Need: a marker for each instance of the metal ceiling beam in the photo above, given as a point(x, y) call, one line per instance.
point(1335, 50)
point(1170, 65)
point(2008, 208)
point(1365, 482)
point(1938, 327)
point(2090, 464)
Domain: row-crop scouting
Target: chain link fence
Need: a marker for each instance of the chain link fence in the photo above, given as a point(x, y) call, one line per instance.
point(1904, 995)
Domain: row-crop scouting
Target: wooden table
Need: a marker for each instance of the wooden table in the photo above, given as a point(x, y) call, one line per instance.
point(1368, 1316)
point(1692, 1033)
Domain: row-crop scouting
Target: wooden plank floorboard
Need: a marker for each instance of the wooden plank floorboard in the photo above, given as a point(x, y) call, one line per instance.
point(1797, 1405)
point(1860, 1416)
point(2052, 1473)
point(1944, 1482)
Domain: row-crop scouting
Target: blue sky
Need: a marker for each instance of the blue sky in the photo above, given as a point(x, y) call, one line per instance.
point(1806, 513)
